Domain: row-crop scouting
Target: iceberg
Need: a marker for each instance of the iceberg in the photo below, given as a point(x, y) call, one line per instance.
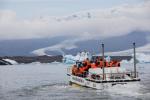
point(13, 62)
point(108, 58)
point(125, 62)
point(142, 54)
point(70, 59)
point(143, 58)
point(140, 57)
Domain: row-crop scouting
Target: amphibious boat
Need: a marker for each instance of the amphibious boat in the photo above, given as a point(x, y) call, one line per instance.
point(100, 73)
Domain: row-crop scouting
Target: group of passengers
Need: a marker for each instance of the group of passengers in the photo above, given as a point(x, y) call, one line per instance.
point(81, 68)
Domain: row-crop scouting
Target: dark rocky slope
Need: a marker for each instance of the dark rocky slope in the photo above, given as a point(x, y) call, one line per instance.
point(46, 59)
point(29, 59)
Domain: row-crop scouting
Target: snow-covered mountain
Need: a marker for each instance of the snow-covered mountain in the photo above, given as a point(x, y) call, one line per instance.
point(72, 45)
point(117, 27)
point(26, 46)
point(140, 50)
point(142, 53)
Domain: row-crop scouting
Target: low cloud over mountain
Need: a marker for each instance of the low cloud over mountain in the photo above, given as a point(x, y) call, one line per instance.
point(76, 29)
point(93, 24)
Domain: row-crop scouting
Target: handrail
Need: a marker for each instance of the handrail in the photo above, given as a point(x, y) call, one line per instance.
point(86, 73)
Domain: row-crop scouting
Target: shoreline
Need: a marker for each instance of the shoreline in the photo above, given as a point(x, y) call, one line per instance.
point(46, 59)
point(30, 59)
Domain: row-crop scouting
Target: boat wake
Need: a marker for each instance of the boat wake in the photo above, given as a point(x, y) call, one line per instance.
point(37, 82)
point(35, 91)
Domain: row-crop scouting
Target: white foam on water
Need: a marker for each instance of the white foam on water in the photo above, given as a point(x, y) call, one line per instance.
point(129, 89)
point(35, 74)
point(49, 81)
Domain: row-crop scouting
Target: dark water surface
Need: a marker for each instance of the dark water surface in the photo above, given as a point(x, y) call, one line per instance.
point(49, 82)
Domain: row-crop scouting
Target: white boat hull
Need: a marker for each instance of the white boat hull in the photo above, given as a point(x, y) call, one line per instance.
point(91, 84)
point(85, 83)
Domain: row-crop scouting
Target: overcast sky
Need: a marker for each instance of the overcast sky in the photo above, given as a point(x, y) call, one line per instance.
point(21, 19)
point(34, 8)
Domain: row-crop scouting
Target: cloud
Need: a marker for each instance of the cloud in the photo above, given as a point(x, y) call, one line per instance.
point(58, 47)
point(92, 24)
point(67, 44)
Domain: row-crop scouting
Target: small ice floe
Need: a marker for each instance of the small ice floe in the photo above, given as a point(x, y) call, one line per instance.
point(70, 59)
point(13, 62)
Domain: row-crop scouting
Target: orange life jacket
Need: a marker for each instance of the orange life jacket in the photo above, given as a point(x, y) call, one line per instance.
point(111, 64)
point(81, 70)
point(75, 70)
point(101, 63)
point(107, 64)
point(93, 65)
point(118, 64)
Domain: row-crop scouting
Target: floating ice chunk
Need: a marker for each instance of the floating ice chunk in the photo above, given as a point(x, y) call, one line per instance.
point(108, 59)
point(79, 57)
point(143, 58)
point(13, 62)
point(69, 59)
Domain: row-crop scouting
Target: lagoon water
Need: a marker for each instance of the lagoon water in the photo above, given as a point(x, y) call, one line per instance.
point(49, 82)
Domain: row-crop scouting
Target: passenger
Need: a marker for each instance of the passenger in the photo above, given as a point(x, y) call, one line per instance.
point(101, 63)
point(98, 58)
point(89, 66)
point(111, 63)
point(107, 64)
point(104, 63)
point(81, 69)
point(75, 70)
point(81, 72)
point(93, 65)
point(88, 61)
point(84, 64)
point(80, 64)
point(118, 64)
point(96, 63)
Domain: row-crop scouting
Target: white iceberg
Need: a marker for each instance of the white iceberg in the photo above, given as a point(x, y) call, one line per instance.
point(140, 57)
point(143, 58)
point(142, 54)
point(70, 59)
point(13, 62)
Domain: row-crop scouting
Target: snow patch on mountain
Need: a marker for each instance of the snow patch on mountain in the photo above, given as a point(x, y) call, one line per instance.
point(67, 44)
point(140, 50)
point(142, 54)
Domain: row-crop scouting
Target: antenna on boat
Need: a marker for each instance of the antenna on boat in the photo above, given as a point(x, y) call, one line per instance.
point(103, 61)
point(134, 46)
